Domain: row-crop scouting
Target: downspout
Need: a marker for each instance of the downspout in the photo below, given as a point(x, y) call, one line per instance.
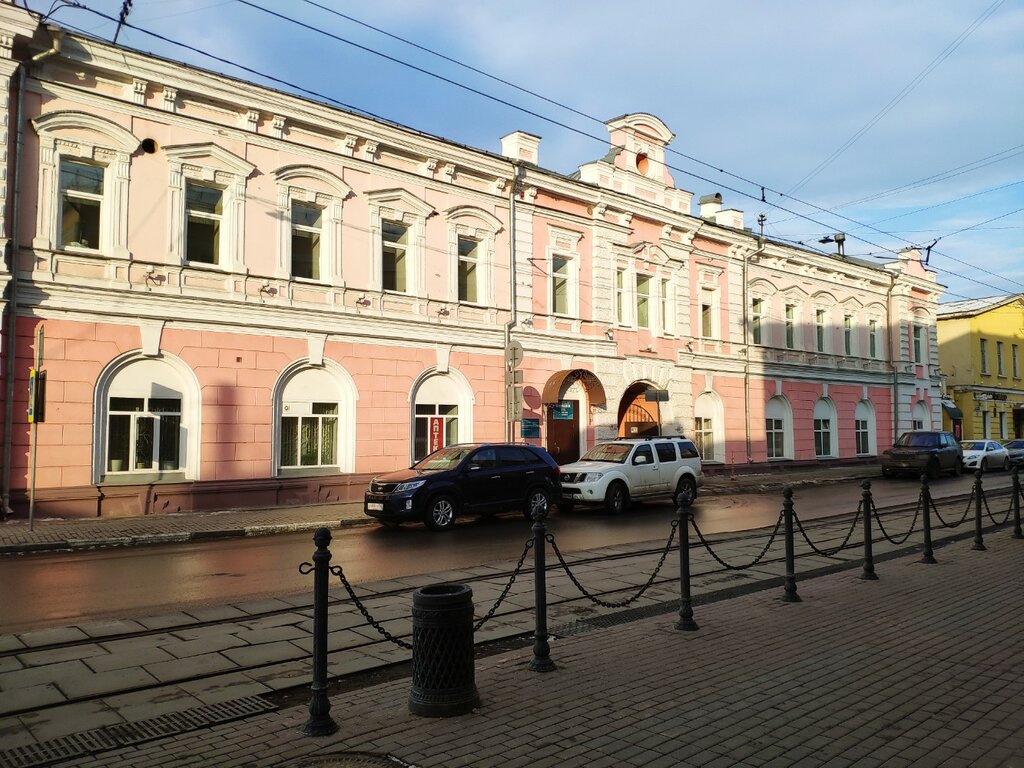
point(892, 360)
point(12, 297)
point(517, 174)
point(746, 344)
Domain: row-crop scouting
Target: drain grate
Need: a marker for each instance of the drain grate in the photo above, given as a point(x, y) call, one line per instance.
point(127, 734)
point(353, 760)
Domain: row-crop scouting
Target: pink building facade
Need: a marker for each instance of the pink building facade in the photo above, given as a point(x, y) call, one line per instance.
point(238, 297)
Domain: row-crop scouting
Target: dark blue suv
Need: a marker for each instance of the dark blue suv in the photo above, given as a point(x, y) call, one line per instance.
point(472, 478)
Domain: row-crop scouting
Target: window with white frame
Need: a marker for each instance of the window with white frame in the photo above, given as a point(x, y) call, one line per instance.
point(708, 425)
point(83, 173)
point(819, 329)
point(778, 425)
point(442, 412)
point(471, 243)
point(824, 429)
point(756, 320)
point(315, 414)
point(437, 425)
point(207, 205)
point(873, 349)
point(665, 296)
point(983, 351)
point(309, 209)
point(864, 428)
point(848, 334)
point(643, 300)
point(398, 234)
point(790, 321)
point(1000, 367)
point(918, 332)
point(704, 437)
point(920, 416)
point(394, 253)
point(561, 284)
point(143, 434)
point(620, 296)
point(708, 313)
point(563, 272)
point(469, 261)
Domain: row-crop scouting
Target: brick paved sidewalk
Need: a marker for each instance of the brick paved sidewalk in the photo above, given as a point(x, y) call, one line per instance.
point(921, 667)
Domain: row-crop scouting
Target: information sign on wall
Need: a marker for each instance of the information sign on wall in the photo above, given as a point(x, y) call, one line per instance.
point(529, 428)
point(436, 436)
point(562, 409)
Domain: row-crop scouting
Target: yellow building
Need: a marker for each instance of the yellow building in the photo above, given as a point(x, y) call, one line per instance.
point(981, 344)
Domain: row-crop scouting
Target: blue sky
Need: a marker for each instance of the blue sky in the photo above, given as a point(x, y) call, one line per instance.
point(829, 106)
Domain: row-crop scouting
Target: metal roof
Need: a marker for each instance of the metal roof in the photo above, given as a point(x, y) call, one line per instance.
point(969, 307)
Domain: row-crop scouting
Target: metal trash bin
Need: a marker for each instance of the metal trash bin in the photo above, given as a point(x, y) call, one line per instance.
point(443, 682)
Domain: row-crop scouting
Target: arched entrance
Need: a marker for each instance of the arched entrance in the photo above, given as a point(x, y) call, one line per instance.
point(567, 398)
point(639, 416)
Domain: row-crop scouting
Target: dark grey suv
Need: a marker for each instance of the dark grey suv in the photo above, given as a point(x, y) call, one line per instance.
point(923, 452)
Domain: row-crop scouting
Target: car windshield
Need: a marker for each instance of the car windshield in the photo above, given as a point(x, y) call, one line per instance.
point(918, 440)
point(973, 446)
point(616, 452)
point(1015, 444)
point(445, 458)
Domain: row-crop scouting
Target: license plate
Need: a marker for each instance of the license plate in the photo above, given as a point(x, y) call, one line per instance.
point(375, 506)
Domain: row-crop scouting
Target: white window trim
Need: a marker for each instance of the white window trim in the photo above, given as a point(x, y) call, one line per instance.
point(712, 293)
point(875, 335)
point(833, 427)
point(463, 397)
point(823, 327)
point(79, 136)
point(872, 420)
point(762, 315)
point(403, 208)
point(210, 165)
point(312, 186)
point(652, 300)
point(349, 395)
point(787, 427)
point(563, 243)
point(479, 225)
point(797, 337)
point(667, 305)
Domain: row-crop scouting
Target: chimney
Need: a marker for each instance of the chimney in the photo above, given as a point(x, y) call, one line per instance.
point(521, 145)
point(710, 205)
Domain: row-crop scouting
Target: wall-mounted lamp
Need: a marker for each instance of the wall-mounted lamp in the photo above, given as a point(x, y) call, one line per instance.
point(362, 301)
point(609, 334)
point(689, 346)
point(152, 278)
point(528, 321)
point(648, 348)
point(444, 312)
point(266, 289)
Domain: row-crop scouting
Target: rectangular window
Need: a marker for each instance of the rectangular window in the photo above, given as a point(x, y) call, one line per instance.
point(918, 351)
point(394, 249)
point(848, 334)
point(310, 440)
point(620, 288)
point(560, 266)
point(204, 210)
point(1000, 368)
point(819, 329)
point(667, 326)
point(983, 349)
point(643, 301)
point(860, 430)
point(822, 438)
point(756, 319)
point(776, 438)
point(445, 417)
point(306, 225)
point(790, 326)
point(143, 435)
point(81, 200)
point(873, 339)
point(704, 438)
point(469, 260)
point(1015, 359)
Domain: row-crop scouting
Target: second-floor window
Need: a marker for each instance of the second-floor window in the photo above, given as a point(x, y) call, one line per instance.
point(306, 228)
point(1000, 368)
point(561, 276)
point(81, 201)
point(394, 250)
point(983, 349)
point(1014, 354)
point(819, 329)
point(667, 324)
point(204, 210)
point(873, 339)
point(848, 334)
point(469, 260)
point(756, 319)
point(620, 296)
point(643, 301)
point(918, 351)
point(790, 326)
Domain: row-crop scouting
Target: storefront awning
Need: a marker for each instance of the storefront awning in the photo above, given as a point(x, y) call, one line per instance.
point(952, 411)
point(556, 385)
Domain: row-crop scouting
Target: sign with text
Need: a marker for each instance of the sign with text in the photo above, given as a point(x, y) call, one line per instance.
point(435, 438)
point(563, 409)
point(529, 428)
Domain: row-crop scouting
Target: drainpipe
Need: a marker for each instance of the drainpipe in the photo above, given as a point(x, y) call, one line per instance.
point(517, 176)
point(746, 344)
point(12, 297)
point(892, 360)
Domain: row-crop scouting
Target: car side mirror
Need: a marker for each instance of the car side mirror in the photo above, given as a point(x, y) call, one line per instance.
point(639, 459)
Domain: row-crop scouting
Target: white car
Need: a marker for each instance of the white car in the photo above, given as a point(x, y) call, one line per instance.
point(985, 455)
point(614, 472)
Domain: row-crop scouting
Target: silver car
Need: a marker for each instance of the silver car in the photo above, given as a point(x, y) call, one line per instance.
point(1015, 449)
point(985, 455)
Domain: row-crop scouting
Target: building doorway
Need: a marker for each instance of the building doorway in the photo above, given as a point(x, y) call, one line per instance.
point(638, 416)
point(563, 430)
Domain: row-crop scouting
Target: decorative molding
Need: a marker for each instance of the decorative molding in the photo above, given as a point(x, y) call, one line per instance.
point(249, 120)
point(170, 99)
point(278, 126)
point(137, 91)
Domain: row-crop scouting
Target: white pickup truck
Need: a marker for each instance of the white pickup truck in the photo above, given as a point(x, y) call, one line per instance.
point(614, 472)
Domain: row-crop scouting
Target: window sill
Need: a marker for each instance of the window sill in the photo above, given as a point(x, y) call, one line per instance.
point(308, 471)
point(206, 266)
point(80, 250)
point(143, 478)
point(308, 280)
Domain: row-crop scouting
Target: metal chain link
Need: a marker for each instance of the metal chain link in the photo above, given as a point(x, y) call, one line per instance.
point(831, 553)
point(967, 512)
point(988, 511)
point(890, 539)
point(508, 587)
point(623, 603)
point(337, 571)
point(727, 566)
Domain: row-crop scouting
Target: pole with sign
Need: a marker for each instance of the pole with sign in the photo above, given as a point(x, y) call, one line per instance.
point(36, 377)
point(513, 387)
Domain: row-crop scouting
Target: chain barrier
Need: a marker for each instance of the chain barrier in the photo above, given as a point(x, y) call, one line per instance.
point(967, 512)
point(988, 511)
point(622, 603)
point(831, 553)
point(337, 571)
point(508, 587)
point(885, 534)
point(727, 566)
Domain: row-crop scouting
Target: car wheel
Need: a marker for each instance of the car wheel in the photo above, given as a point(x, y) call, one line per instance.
point(984, 465)
point(958, 467)
point(1006, 465)
point(616, 500)
point(686, 491)
point(441, 513)
point(934, 469)
point(537, 500)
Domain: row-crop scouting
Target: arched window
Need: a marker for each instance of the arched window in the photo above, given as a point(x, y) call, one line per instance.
point(921, 416)
point(707, 427)
point(864, 428)
point(778, 428)
point(146, 420)
point(825, 440)
point(442, 412)
point(315, 419)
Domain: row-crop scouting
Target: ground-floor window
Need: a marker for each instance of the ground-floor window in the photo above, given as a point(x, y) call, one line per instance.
point(822, 438)
point(437, 425)
point(143, 434)
point(704, 437)
point(860, 428)
point(775, 435)
point(309, 435)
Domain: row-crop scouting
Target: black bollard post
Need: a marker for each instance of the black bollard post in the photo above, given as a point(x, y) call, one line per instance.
point(1017, 534)
point(320, 722)
point(979, 543)
point(868, 574)
point(790, 595)
point(926, 502)
point(686, 622)
point(541, 649)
